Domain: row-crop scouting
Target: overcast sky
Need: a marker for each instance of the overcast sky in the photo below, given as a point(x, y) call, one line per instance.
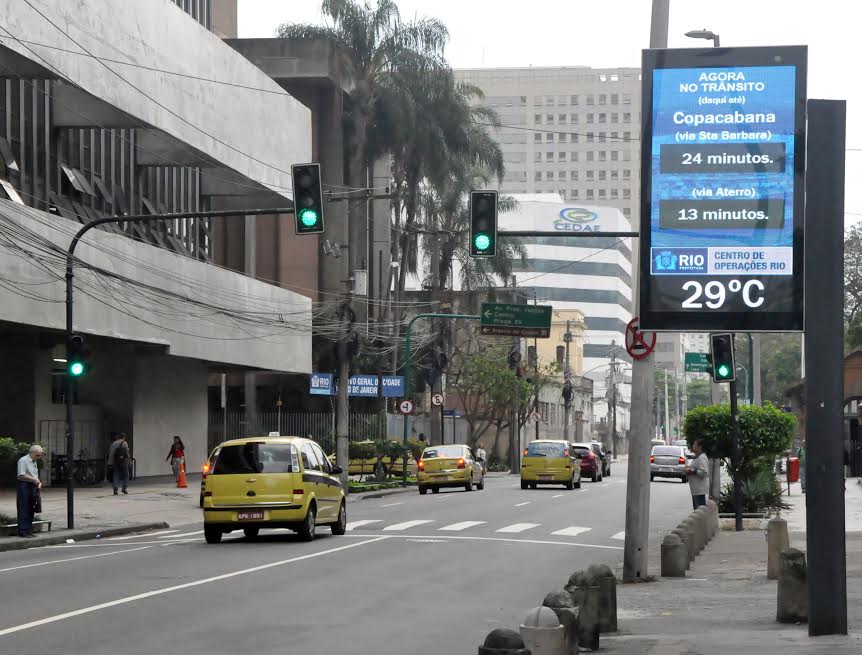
point(606, 33)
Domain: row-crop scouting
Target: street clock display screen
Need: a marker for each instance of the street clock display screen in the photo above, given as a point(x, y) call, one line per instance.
point(722, 189)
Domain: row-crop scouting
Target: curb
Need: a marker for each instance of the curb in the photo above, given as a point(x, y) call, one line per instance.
point(383, 493)
point(78, 535)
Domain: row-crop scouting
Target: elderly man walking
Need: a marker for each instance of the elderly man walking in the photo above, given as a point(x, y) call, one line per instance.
point(28, 486)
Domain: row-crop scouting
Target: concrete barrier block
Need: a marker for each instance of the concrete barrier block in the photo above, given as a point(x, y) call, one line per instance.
point(674, 557)
point(688, 525)
point(577, 581)
point(683, 537)
point(588, 619)
point(542, 632)
point(792, 587)
point(713, 510)
point(567, 614)
point(777, 540)
point(503, 642)
point(701, 517)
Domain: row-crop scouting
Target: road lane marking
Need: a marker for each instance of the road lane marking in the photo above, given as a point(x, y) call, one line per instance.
point(606, 484)
point(452, 537)
point(518, 527)
point(522, 504)
point(180, 536)
point(72, 559)
point(352, 525)
point(397, 527)
point(463, 525)
point(558, 496)
point(179, 587)
point(391, 504)
point(621, 536)
point(142, 534)
point(571, 532)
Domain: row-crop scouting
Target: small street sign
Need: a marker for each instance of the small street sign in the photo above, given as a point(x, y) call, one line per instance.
point(437, 399)
point(536, 416)
point(697, 362)
point(639, 344)
point(405, 406)
point(531, 321)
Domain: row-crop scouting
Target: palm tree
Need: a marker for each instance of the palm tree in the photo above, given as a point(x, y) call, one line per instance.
point(372, 41)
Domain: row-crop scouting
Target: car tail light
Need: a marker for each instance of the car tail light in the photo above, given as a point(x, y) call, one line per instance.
point(525, 452)
point(208, 494)
point(420, 465)
point(205, 469)
point(461, 463)
point(566, 452)
point(651, 459)
point(682, 460)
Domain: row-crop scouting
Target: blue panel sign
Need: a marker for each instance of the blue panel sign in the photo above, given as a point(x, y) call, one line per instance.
point(322, 384)
point(393, 386)
point(722, 172)
point(364, 386)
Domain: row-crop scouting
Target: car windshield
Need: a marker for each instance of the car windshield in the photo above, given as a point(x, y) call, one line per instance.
point(546, 449)
point(443, 451)
point(253, 457)
point(667, 451)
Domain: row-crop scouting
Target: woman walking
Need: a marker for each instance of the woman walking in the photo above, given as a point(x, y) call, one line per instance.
point(176, 456)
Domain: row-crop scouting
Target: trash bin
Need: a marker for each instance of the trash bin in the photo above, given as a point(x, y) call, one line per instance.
point(792, 469)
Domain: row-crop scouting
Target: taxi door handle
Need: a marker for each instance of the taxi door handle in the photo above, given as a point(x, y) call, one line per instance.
point(252, 480)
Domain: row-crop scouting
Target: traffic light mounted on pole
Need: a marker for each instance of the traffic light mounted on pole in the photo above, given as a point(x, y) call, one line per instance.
point(483, 223)
point(722, 364)
point(307, 198)
point(76, 359)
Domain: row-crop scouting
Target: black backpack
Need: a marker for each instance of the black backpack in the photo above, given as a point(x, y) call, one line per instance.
point(121, 456)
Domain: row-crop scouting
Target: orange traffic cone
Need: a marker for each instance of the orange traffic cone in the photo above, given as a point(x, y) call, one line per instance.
point(181, 483)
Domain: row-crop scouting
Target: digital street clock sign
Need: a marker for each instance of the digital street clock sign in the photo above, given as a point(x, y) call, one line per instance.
point(722, 195)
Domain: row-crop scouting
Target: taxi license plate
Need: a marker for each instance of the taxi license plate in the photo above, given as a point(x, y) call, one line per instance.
point(667, 468)
point(249, 516)
point(545, 477)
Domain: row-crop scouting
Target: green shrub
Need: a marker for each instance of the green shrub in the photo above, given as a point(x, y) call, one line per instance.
point(497, 463)
point(760, 492)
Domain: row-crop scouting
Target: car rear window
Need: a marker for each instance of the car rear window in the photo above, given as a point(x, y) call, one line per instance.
point(254, 457)
point(582, 450)
point(546, 449)
point(443, 451)
point(672, 451)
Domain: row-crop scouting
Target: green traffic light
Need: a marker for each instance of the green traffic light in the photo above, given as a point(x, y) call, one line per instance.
point(76, 369)
point(724, 371)
point(482, 241)
point(308, 217)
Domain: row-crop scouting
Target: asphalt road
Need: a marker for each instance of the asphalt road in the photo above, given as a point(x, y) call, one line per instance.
point(414, 574)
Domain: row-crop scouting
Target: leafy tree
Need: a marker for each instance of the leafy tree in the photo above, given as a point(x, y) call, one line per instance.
point(764, 432)
point(779, 365)
point(697, 391)
point(853, 274)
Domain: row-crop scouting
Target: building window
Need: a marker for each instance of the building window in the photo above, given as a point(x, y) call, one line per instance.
point(627, 212)
point(561, 156)
point(537, 119)
point(603, 137)
point(537, 138)
point(615, 135)
point(549, 101)
point(603, 118)
point(561, 356)
point(574, 194)
point(627, 193)
point(538, 101)
point(615, 174)
point(549, 176)
point(538, 176)
point(575, 138)
point(603, 78)
point(591, 118)
point(561, 175)
point(591, 100)
point(574, 156)
point(603, 155)
point(627, 136)
point(603, 175)
point(575, 118)
point(562, 194)
point(602, 194)
point(627, 156)
point(549, 119)
point(591, 175)
point(615, 98)
point(561, 101)
point(603, 99)
point(591, 194)
point(563, 136)
point(561, 119)
point(627, 174)
point(590, 137)
point(627, 117)
point(574, 176)
point(523, 100)
point(573, 100)
point(615, 194)
point(627, 98)
point(615, 155)
point(538, 156)
point(615, 117)
point(591, 156)
point(549, 137)
point(549, 156)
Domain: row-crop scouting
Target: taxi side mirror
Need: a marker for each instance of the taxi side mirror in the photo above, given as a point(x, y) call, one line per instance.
point(337, 470)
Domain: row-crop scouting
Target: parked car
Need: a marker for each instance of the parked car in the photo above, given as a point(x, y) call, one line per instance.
point(591, 465)
point(604, 455)
point(550, 461)
point(667, 462)
point(658, 442)
point(449, 466)
point(272, 482)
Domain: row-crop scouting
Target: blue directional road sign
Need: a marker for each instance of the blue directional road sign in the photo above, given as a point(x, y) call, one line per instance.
point(322, 384)
point(393, 386)
point(363, 386)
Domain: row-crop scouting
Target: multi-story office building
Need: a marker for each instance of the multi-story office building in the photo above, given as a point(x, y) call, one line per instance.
point(570, 130)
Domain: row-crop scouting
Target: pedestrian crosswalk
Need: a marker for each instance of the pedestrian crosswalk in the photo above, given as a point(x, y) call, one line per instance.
point(424, 526)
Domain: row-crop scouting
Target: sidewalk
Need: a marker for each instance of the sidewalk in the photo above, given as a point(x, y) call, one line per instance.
point(726, 604)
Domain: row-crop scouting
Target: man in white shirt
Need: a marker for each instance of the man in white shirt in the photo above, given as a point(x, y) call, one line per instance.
point(28, 486)
point(698, 475)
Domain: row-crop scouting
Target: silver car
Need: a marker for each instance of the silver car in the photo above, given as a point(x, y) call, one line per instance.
point(667, 462)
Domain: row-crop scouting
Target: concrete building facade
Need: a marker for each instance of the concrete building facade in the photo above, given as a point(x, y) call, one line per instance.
point(116, 108)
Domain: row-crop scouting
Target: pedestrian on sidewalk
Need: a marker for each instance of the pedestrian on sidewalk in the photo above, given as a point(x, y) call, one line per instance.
point(120, 457)
point(27, 490)
point(801, 453)
point(177, 456)
point(698, 474)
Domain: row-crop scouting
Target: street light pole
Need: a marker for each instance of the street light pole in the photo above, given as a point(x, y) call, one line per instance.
point(70, 308)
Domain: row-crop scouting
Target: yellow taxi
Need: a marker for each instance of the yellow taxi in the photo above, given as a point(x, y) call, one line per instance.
point(272, 482)
point(550, 461)
point(449, 466)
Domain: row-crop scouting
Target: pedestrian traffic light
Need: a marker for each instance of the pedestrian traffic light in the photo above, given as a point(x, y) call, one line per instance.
point(483, 223)
point(307, 198)
point(721, 354)
point(76, 359)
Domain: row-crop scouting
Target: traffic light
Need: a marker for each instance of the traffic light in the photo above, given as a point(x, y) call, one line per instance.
point(76, 359)
point(483, 223)
point(721, 354)
point(307, 198)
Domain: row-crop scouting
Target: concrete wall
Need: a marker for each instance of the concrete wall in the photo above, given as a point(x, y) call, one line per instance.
point(170, 398)
point(258, 135)
point(17, 392)
point(182, 329)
